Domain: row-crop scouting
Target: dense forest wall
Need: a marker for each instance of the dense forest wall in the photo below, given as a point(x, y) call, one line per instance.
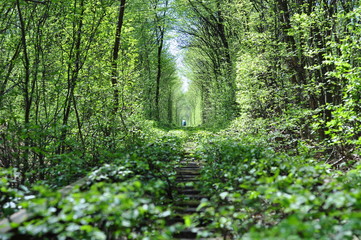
point(76, 79)
point(292, 65)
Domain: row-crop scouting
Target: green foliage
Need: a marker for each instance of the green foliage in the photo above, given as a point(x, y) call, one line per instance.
point(297, 71)
point(344, 128)
point(9, 196)
point(125, 198)
point(257, 194)
point(56, 102)
point(119, 208)
point(210, 58)
point(290, 72)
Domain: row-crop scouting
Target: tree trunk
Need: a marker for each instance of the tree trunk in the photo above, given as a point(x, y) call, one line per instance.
point(115, 56)
point(73, 72)
point(26, 92)
point(159, 73)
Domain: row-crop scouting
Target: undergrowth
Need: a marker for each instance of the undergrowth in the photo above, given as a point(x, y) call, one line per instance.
point(257, 193)
point(125, 199)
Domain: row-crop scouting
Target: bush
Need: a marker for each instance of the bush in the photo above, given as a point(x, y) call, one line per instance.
point(258, 194)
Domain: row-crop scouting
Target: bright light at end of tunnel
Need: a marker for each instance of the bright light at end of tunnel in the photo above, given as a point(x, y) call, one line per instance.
point(178, 53)
point(185, 84)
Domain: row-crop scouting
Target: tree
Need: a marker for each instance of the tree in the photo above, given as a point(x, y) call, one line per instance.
point(115, 54)
point(208, 36)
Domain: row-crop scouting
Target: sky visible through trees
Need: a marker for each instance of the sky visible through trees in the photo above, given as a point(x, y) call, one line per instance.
point(178, 53)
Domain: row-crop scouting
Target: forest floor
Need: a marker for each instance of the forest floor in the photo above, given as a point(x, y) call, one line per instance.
point(193, 184)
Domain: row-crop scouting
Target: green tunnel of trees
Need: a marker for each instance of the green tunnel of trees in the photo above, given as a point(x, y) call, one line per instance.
point(80, 77)
point(97, 90)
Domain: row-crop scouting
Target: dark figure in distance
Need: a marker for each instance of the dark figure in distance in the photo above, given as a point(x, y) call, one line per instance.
point(184, 123)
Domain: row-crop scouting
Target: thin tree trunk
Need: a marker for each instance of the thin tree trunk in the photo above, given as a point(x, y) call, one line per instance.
point(115, 56)
point(159, 73)
point(26, 62)
point(73, 72)
point(27, 98)
point(79, 124)
point(11, 64)
point(170, 106)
